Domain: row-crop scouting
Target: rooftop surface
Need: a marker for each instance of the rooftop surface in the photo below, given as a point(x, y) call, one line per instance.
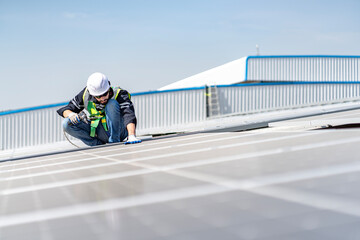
point(288, 181)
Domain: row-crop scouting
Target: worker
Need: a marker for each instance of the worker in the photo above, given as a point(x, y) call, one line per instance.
point(100, 114)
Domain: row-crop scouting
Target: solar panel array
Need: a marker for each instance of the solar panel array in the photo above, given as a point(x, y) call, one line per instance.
point(273, 183)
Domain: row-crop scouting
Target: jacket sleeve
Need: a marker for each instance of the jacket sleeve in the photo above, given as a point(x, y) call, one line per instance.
point(126, 107)
point(75, 105)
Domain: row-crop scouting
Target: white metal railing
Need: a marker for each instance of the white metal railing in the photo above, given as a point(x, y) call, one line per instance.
point(253, 98)
point(303, 68)
point(30, 128)
point(160, 110)
point(154, 110)
point(169, 108)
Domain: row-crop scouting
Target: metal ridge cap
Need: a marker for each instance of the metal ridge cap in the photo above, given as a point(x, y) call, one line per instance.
point(306, 56)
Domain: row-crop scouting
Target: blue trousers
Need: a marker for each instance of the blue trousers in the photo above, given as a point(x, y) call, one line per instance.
point(116, 129)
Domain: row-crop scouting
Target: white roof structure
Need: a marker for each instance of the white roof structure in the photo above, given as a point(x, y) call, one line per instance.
point(229, 73)
point(300, 68)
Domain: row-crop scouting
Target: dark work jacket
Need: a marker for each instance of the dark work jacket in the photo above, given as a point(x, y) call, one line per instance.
point(126, 106)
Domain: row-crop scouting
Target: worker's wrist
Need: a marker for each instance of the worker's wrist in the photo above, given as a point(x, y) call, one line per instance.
point(71, 114)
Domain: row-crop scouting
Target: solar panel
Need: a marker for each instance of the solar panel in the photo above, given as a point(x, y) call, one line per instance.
point(273, 183)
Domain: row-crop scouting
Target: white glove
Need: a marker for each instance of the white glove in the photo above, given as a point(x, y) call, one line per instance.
point(132, 139)
point(74, 118)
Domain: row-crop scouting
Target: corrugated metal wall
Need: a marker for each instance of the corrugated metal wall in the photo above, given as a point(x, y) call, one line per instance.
point(154, 111)
point(303, 68)
point(166, 109)
point(160, 110)
point(252, 98)
point(30, 128)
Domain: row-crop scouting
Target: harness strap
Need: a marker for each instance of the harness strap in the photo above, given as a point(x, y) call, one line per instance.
point(97, 116)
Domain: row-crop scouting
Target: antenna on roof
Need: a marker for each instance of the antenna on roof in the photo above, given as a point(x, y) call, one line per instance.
point(257, 50)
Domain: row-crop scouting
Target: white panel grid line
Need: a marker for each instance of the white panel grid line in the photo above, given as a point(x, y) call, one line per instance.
point(256, 185)
point(338, 169)
point(43, 226)
point(112, 204)
point(83, 180)
point(316, 200)
point(272, 179)
point(217, 185)
point(127, 153)
point(136, 146)
point(117, 161)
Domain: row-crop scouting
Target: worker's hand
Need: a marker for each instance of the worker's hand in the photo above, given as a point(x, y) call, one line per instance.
point(74, 118)
point(132, 139)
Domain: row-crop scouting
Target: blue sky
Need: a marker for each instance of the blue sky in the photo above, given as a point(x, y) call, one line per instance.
point(49, 48)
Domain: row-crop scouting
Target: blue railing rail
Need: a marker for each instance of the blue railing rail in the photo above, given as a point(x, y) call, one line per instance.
point(7, 112)
point(282, 83)
point(177, 90)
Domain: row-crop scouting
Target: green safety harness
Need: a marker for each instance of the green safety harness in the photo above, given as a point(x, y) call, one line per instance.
point(96, 116)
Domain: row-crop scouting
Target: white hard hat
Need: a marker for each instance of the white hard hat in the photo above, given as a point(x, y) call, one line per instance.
point(98, 84)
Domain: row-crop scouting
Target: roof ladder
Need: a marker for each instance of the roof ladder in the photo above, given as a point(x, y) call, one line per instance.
point(213, 105)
